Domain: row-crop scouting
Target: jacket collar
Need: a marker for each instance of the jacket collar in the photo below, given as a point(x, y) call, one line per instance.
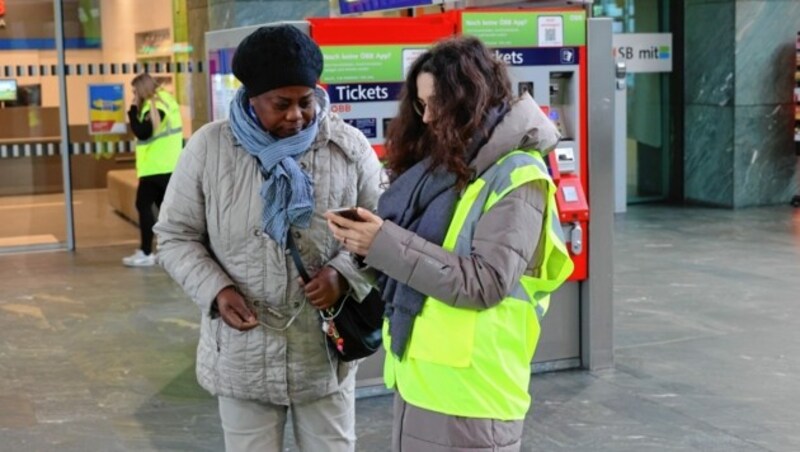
point(524, 127)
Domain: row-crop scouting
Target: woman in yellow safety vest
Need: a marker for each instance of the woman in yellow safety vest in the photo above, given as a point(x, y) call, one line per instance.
point(468, 247)
point(155, 119)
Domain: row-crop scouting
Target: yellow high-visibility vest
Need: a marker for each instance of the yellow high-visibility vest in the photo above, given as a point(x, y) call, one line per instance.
point(159, 153)
point(470, 363)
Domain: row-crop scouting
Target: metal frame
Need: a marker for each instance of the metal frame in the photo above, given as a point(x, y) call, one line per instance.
point(66, 167)
point(597, 298)
point(58, 18)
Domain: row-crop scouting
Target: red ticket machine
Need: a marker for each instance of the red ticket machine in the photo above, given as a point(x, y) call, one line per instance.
point(545, 50)
point(573, 209)
point(366, 60)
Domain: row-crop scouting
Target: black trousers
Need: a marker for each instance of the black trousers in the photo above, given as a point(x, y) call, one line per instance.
point(149, 194)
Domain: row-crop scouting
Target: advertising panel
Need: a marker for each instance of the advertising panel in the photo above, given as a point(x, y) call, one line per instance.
point(107, 109)
point(223, 83)
point(527, 29)
point(8, 90)
point(364, 83)
point(366, 61)
point(644, 52)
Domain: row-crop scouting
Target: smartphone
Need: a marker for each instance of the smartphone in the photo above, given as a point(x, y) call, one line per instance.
point(351, 213)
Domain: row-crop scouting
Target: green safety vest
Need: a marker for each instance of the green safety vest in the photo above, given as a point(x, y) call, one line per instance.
point(159, 153)
point(470, 363)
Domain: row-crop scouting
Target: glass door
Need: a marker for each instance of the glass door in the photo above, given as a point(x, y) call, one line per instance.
point(122, 40)
point(35, 210)
point(649, 144)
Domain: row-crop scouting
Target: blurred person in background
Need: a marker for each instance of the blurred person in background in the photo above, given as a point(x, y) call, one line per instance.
point(155, 119)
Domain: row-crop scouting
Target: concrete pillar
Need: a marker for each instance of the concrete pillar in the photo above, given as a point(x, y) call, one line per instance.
point(739, 76)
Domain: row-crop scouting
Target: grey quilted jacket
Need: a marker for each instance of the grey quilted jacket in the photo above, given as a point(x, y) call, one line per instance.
point(209, 237)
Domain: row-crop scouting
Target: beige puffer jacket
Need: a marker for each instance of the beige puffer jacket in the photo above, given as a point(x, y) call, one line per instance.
point(209, 237)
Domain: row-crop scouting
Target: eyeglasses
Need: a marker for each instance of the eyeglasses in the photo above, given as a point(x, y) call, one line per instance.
point(420, 107)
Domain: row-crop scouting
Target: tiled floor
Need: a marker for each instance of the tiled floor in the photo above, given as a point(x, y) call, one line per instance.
point(97, 357)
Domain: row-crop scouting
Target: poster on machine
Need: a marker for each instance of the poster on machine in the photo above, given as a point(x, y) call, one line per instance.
point(223, 83)
point(542, 51)
point(366, 61)
point(527, 28)
point(364, 83)
point(106, 109)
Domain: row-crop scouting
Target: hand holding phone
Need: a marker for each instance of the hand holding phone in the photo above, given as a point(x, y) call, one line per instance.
point(351, 213)
point(355, 228)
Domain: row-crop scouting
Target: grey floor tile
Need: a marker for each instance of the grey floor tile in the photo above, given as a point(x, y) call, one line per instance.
point(97, 357)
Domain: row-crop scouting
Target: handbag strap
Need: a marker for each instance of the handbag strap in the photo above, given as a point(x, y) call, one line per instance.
point(298, 262)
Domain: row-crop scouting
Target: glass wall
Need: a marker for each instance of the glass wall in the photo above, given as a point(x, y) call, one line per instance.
point(32, 197)
point(107, 42)
point(649, 141)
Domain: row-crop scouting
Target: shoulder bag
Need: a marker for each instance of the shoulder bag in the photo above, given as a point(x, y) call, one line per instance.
point(353, 328)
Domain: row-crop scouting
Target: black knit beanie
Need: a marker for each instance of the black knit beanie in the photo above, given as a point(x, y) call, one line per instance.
point(277, 56)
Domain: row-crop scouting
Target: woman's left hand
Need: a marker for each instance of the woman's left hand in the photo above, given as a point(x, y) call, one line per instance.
point(356, 236)
point(325, 288)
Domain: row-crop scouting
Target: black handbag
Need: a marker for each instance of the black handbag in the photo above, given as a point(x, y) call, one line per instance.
point(352, 328)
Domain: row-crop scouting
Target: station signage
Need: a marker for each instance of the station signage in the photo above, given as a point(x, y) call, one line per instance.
point(644, 52)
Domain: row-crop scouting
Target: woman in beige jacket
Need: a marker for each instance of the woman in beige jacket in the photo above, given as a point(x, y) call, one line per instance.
point(241, 186)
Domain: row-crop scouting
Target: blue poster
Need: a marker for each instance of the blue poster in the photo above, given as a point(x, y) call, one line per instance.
point(362, 6)
point(106, 109)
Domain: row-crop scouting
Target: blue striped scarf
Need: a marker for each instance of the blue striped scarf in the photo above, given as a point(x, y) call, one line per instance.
point(288, 192)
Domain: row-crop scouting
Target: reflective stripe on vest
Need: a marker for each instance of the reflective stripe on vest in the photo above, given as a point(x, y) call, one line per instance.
point(477, 363)
point(159, 154)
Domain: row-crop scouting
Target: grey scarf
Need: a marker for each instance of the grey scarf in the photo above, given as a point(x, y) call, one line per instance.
point(422, 200)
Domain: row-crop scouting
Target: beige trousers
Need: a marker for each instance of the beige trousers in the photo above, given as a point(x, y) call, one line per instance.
point(327, 424)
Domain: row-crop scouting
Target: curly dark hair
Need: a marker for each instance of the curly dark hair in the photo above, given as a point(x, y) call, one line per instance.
point(468, 82)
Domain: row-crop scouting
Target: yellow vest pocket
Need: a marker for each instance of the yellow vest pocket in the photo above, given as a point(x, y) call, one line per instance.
point(443, 335)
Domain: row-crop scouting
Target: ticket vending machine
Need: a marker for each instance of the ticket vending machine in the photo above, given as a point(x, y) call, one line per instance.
point(548, 55)
point(220, 47)
point(545, 51)
point(366, 61)
point(558, 56)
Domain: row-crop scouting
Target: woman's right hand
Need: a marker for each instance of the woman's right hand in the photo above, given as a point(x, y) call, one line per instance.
point(234, 310)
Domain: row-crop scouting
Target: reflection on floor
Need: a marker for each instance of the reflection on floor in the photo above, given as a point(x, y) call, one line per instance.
point(22, 240)
point(40, 219)
point(98, 357)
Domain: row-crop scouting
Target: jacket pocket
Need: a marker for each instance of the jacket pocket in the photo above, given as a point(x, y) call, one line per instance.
point(443, 335)
point(344, 370)
point(216, 326)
